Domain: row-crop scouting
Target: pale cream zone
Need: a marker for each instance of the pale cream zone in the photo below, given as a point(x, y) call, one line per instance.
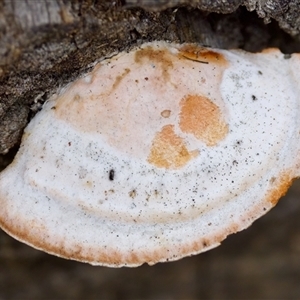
point(127, 97)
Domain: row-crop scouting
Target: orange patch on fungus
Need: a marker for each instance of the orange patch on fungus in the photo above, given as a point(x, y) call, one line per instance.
point(202, 118)
point(281, 184)
point(119, 78)
point(196, 53)
point(169, 151)
point(161, 57)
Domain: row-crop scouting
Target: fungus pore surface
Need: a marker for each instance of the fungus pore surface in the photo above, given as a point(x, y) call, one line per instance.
point(157, 154)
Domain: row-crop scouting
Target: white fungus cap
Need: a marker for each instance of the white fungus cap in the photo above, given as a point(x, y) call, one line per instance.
point(156, 154)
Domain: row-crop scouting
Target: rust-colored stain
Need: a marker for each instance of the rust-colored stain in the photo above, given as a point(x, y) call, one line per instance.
point(169, 151)
point(281, 185)
point(196, 53)
point(38, 237)
point(119, 78)
point(161, 57)
point(202, 118)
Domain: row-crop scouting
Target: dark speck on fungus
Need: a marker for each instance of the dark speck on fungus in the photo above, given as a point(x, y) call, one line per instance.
point(111, 174)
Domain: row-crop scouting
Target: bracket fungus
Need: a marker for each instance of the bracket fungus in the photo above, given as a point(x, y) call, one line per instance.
point(157, 154)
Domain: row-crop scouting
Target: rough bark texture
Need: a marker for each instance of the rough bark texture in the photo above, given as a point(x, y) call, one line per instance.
point(45, 44)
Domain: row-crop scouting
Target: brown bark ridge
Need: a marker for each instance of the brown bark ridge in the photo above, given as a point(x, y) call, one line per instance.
point(46, 43)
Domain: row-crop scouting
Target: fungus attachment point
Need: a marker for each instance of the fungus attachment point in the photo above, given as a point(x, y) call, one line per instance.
point(157, 154)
